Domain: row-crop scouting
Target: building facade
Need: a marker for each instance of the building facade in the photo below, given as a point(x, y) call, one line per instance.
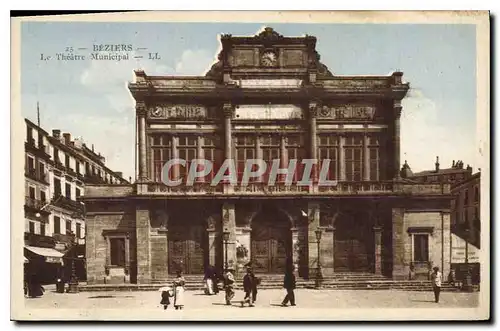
point(56, 171)
point(268, 97)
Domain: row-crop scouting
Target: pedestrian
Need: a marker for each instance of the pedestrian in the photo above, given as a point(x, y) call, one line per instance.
point(452, 277)
point(289, 285)
point(229, 286)
point(436, 279)
point(179, 289)
point(249, 286)
point(166, 294)
point(256, 282)
point(215, 280)
point(208, 279)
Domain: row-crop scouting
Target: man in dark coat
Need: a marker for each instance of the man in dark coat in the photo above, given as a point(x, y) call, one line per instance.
point(250, 287)
point(289, 285)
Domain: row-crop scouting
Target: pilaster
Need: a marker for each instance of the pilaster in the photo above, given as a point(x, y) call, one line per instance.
point(143, 233)
point(229, 225)
point(313, 209)
point(396, 138)
point(341, 158)
point(378, 249)
point(313, 138)
point(141, 114)
point(366, 158)
point(398, 244)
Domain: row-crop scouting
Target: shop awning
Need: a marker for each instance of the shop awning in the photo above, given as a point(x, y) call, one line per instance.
point(50, 254)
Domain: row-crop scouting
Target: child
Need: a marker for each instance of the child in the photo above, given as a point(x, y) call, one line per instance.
point(229, 286)
point(166, 294)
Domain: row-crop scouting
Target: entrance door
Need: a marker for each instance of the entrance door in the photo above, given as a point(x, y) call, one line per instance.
point(186, 249)
point(271, 245)
point(352, 246)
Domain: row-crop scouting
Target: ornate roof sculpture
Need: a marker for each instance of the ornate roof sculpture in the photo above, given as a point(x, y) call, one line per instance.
point(269, 38)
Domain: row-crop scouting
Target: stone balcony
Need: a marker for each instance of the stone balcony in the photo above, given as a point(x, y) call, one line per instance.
point(343, 189)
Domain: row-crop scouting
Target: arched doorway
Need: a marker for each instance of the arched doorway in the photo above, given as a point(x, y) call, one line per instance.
point(271, 239)
point(353, 251)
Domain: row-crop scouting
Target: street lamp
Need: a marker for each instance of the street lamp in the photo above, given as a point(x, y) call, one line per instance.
point(468, 276)
point(319, 276)
point(226, 240)
point(73, 281)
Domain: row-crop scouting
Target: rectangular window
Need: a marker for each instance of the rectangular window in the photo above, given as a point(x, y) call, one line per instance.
point(188, 152)
point(57, 224)
point(476, 194)
point(374, 154)
point(32, 227)
point(421, 247)
point(162, 152)
point(353, 160)
point(328, 150)
point(32, 192)
point(31, 165)
point(117, 251)
point(41, 170)
point(66, 161)
point(56, 155)
point(43, 197)
point(77, 192)
point(212, 153)
point(78, 230)
point(42, 229)
point(57, 187)
point(466, 198)
point(77, 167)
point(29, 136)
point(68, 191)
point(68, 227)
point(295, 150)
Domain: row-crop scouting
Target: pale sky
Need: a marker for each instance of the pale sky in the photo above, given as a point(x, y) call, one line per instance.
point(89, 99)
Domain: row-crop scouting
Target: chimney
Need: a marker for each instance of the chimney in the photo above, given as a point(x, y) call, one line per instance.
point(119, 174)
point(56, 133)
point(437, 163)
point(67, 138)
point(453, 164)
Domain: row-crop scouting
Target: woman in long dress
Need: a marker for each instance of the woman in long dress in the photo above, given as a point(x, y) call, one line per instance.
point(179, 283)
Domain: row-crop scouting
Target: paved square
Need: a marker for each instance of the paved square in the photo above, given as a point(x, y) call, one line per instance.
point(199, 306)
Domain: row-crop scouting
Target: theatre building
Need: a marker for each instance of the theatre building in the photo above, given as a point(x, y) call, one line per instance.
point(268, 97)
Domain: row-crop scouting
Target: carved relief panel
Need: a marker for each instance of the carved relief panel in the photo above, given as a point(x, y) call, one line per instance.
point(347, 112)
point(181, 111)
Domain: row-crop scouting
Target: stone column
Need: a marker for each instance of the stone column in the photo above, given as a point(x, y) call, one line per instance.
point(127, 258)
point(212, 243)
point(108, 259)
point(313, 138)
point(228, 111)
point(143, 233)
point(313, 210)
point(366, 158)
point(341, 158)
point(200, 154)
point(398, 244)
point(332, 229)
point(396, 138)
point(175, 155)
point(378, 249)
point(283, 157)
point(229, 224)
point(295, 247)
point(141, 113)
point(259, 153)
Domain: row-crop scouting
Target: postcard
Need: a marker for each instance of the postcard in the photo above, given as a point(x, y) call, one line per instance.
point(251, 166)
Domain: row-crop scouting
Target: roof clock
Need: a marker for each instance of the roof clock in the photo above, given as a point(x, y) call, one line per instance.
point(269, 59)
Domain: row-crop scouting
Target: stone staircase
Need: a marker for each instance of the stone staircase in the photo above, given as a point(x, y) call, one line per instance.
point(338, 281)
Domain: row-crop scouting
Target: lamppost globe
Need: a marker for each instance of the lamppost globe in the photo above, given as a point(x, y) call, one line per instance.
point(37, 215)
point(318, 234)
point(226, 235)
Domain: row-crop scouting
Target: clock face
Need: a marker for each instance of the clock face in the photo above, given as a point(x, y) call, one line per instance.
point(269, 59)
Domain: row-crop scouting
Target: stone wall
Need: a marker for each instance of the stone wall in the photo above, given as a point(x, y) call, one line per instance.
point(437, 224)
point(120, 219)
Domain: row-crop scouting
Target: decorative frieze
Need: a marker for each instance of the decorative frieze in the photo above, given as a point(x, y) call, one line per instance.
point(346, 112)
point(187, 112)
point(354, 82)
point(266, 112)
